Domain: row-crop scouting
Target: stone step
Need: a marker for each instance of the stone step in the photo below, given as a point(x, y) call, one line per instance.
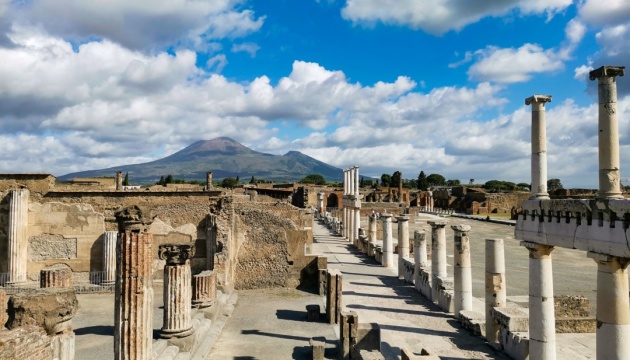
point(169, 353)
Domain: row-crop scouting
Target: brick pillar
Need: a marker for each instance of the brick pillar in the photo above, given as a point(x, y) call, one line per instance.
point(177, 289)
point(204, 289)
point(17, 236)
point(55, 278)
point(348, 331)
point(133, 324)
point(109, 257)
point(3, 309)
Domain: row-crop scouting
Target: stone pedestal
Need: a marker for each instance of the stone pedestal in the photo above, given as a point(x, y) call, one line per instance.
point(613, 307)
point(177, 290)
point(438, 254)
point(17, 235)
point(539, 146)
point(608, 134)
point(55, 278)
point(542, 320)
point(133, 324)
point(388, 242)
point(403, 243)
point(496, 287)
point(109, 257)
point(204, 289)
point(462, 273)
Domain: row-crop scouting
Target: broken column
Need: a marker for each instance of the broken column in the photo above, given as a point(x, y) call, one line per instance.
point(419, 254)
point(438, 254)
point(388, 242)
point(372, 228)
point(538, 189)
point(177, 290)
point(320, 203)
point(204, 289)
point(496, 288)
point(109, 257)
point(542, 323)
point(119, 180)
point(17, 236)
point(462, 272)
point(613, 307)
point(403, 243)
point(55, 277)
point(133, 324)
point(609, 178)
point(209, 185)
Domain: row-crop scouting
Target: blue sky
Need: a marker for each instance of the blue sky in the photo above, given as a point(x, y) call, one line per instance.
point(408, 85)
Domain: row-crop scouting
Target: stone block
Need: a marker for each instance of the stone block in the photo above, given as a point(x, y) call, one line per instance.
point(348, 331)
point(312, 312)
point(3, 309)
point(322, 281)
point(369, 355)
point(51, 309)
point(473, 321)
point(512, 319)
point(318, 347)
point(516, 345)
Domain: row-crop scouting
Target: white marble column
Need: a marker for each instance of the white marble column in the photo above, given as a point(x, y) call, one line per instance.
point(388, 242)
point(609, 178)
point(438, 253)
point(403, 243)
point(462, 272)
point(539, 146)
point(542, 321)
point(109, 257)
point(177, 290)
point(496, 287)
point(351, 225)
point(372, 228)
point(17, 236)
point(613, 307)
point(419, 254)
point(357, 224)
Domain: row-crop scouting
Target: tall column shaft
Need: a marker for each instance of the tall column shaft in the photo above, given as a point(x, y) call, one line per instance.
point(539, 146)
point(388, 242)
point(133, 324)
point(109, 257)
point(419, 254)
point(17, 236)
point(462, 272)
point(357, 224)
point(351, 225)
point(613, 307)
point(542, 321)
point(609, 176)
point(496, 287)
point(438, 254)
point(177, 289)
point(403, 243)
point(372, 228)
point(356, 182)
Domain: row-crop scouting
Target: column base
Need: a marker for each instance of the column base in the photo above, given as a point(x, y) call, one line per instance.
point(202, 304)
point(170, 334)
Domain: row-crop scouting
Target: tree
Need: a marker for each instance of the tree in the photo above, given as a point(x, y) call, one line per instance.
point(524, 186)
point(554, 184)
point(471, 181)
point(361, 183)
point(395, 179)
point(162, 181)
point(454, 182)
point(253, 180)
point(316, 179)
point(229, 182)
point(436, 180)
point(237, 179)
point(386, 180)
point(422, 184)
point(169, 179)
point(498, 185)
point(126, 180)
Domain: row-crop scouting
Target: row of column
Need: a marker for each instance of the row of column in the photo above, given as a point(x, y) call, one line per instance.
point(351, 205)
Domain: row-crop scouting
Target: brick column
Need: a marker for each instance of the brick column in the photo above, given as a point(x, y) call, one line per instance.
point(403, 243)
point(177, 289)
point(109, 257)
point(539, 146)
point(496, 288)
point(17, 236)
point(462, 273)
point(133, 324)
point(204, 289)
point(613, 307)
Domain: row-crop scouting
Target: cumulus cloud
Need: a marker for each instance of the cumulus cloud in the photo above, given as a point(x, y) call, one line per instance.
point(440, 16)
point(604, 13)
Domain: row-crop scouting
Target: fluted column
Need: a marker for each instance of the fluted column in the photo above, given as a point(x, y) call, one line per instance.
point(542, 321)
point(496, 287)
point(388, 243)
point(539, 146)
point(17, 236)
point(55, 278)
point(109, 257)
point(204, 289)
point(462, 273)
point(177, 289)
point(613, 307)
point(609, 178)
point(438, 253)
point(133, 324)
point(403, 243)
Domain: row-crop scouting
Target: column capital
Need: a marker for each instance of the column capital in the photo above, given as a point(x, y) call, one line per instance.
point(537, 250)
point(402, 218)
point(605, 259)
point(386, 216)
point(176, 254)
point(606, 71)
point(461, 227)
point(437, 223)
point(538, 99)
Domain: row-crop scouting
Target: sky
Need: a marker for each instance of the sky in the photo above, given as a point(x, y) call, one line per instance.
point(389, 85)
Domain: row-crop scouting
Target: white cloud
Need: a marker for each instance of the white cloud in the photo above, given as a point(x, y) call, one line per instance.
point(249, 48)
point(604, 13)
point(440, 16)
point(217, 63)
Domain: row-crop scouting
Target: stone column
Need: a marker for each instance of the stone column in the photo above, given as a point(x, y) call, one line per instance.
point(211, 240)
point(3, 309)
point(400, 187)
point(209, 184)
point(609, 178)
point(403, 243)
point(357, 223)
point(613, 307)
point(133, 323)
point(438, 253)
point(542, 322)
point(496, 287)
point(109, 257)
point(372, 228)
point(55, 278)
point(419, 254)
point(119, 180)
point(177, 290)
point(388, 242)
point(320, 203)
point(17, 236)
point(539, 146)
point(204, 289)
point(350, 224)
point(462, 272)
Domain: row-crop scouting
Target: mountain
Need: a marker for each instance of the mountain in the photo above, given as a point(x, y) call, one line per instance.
point(225, 158)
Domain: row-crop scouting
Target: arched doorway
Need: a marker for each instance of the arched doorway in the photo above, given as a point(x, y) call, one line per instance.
point(332, 201)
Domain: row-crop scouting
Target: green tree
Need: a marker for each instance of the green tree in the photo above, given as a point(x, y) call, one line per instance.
point(361, 183)
point(238, 179)
point(162, 181)
point(395, 180)
point(436, 180)
point(229, 183)
point(554, 184)
point(471, 181)
point(126, 180)
point(386, 180)
point(524, 186)
point(252, 180)
point(169, 179)
point(316, 179)
point(454, 182)
point(422, 183)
